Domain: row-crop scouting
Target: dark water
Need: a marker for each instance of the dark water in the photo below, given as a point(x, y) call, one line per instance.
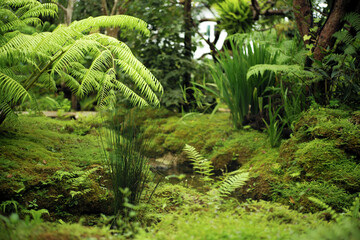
point(177, 175)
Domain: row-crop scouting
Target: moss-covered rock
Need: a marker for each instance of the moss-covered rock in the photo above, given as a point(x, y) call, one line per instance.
point(296, 194)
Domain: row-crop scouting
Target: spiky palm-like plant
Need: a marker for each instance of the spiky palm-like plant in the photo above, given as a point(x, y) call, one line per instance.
point(84, 59)
point(235, 16)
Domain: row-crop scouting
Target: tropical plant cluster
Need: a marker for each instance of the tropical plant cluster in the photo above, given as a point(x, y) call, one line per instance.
point(257, 139)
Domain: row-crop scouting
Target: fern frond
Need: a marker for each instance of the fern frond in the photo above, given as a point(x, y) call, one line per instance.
point(11, 87)
point(323, 205)
point(354, 19)
point(121, 21)
point(101, 63)
point(355, 208)
point(231, 183)
point(296, 70)
point(130, 94)
point(138, 80)
point(201, 165)
point(75, 52)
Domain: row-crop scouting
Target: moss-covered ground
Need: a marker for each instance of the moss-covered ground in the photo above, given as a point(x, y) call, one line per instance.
point(57, 165)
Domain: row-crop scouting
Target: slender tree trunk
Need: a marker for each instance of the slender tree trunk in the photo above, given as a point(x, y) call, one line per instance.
point(332, 25)
point(187, 48)
point(322, 39)
point(117, 8)
point(68, 13)
point(2, 117)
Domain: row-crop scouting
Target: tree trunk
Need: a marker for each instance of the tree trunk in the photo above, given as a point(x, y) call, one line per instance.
point(3, 115)
point(69, 12)
point(304, 17)
point(321, 39)
point(187, 48)
point(116, 9)
point(332, 25)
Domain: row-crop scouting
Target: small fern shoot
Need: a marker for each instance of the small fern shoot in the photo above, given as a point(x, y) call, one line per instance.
point(323, 205)
point(201, 165)
point(231, 183)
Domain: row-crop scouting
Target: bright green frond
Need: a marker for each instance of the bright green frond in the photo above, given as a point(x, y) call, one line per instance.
point(201, 165)
point(53, 41)
point(124, 53)
point(6, 15)
point(130, 94)
point(12, 88)
point(288, 69)
point(74, 53)
point(122, 21)
point(138, 80)
point(13, 25)
point(44, 10)
point(231, 183)
point(101, 63)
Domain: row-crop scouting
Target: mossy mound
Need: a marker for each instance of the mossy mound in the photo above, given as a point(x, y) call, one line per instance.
point(214, 137)
point(36, 149)
point(321, 159)
point(333, 124)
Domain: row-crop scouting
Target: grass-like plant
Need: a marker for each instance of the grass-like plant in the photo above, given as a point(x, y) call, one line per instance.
point(237, 91)
point(274, 127)
point(128, 167)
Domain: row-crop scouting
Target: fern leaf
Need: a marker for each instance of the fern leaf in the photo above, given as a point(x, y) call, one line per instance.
point(287, 69)
point(231, 183)
point(11, 87)
point(201, 165)
point(121, 21)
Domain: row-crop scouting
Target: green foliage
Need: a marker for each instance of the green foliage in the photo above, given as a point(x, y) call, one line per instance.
point(201, 166)
point(232, 182)
point(36, 214)
point(289, 70)
point(77, 183)
point(297, 195)
point(234, 16)
point(237, 91)
point(85, 62)
point(9, 206)
point(124, 157)
point(339, 69)
point(163, 53)
point(13, 227)
point(228, 185)
point(347, 229)
point(249, 220)
point(274, 127)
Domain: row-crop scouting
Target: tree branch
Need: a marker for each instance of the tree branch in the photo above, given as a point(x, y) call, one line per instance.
point(207, 20)
point(114, 8)
point(104, 7)
point(255, 8)
point(61, 6)
point(303, 17)
point(333, 24)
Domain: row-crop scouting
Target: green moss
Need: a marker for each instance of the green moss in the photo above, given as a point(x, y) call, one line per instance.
point(35, 148)
point(252, 220)
point(321, 159)
point(296, 195)
point(171, 134)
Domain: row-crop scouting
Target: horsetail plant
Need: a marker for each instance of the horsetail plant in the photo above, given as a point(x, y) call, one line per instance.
point(127, 165)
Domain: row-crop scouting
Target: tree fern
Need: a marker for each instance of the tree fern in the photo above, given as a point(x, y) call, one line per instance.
point(86, 63)
point(291, 70)
point(201, 165)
